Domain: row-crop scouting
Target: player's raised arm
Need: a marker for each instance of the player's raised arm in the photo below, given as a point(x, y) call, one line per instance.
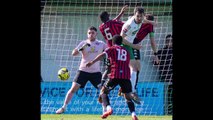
point(79, 48)
point(121, 13)
point(154, 46)
point(99, 57)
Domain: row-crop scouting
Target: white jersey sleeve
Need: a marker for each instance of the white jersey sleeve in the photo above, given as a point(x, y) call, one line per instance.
point(130, 29)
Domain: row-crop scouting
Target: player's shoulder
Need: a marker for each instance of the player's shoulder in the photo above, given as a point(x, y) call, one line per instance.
point(101, 26)
point(107, 22)
point(128, 24)
point(108, 48)
point(129, 21)
point(148, 24)
point(116, 21)
point(117, 46)
point(100, 42)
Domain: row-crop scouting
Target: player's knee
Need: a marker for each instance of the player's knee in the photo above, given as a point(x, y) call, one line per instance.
point(134, 68)
point(127, 96)
point(72, 90)
point(104, 76)
point(138, 68)
point(128, 100)
point(138, 65)
point(103, 81)
point(104, 90)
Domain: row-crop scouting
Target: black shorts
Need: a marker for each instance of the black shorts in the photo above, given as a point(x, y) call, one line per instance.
point(83, 77)
point(136, 54)
point(125, 85)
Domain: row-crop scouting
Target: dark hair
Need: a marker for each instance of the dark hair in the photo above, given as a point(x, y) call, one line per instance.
point(92, 28)
point(168, 36)
point(139, 10)
point(150, 17)
point(104, 16)
point(117, 39)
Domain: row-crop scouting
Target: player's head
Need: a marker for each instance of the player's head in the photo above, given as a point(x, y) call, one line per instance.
point(104, 16)
point(169, 40)
point(138, 14)
point(117, 39)
point(92, 33)
point(149, 17)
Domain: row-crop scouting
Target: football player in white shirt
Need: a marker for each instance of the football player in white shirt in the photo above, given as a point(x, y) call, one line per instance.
point(129, 32)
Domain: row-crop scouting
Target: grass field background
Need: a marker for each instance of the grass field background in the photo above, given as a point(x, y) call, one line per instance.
point(97, 117)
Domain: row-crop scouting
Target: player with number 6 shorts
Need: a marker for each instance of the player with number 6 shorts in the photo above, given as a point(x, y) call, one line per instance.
point(109, 28)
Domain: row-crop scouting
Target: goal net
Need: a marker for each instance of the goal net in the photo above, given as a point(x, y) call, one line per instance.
point(64, 25)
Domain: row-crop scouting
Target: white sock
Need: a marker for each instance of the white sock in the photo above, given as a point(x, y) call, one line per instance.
point(108, 107)
point(104, 109)
point(133, 114)
point(133, 80)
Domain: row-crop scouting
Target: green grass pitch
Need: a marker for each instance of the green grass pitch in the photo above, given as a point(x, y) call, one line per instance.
point(97, 117)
